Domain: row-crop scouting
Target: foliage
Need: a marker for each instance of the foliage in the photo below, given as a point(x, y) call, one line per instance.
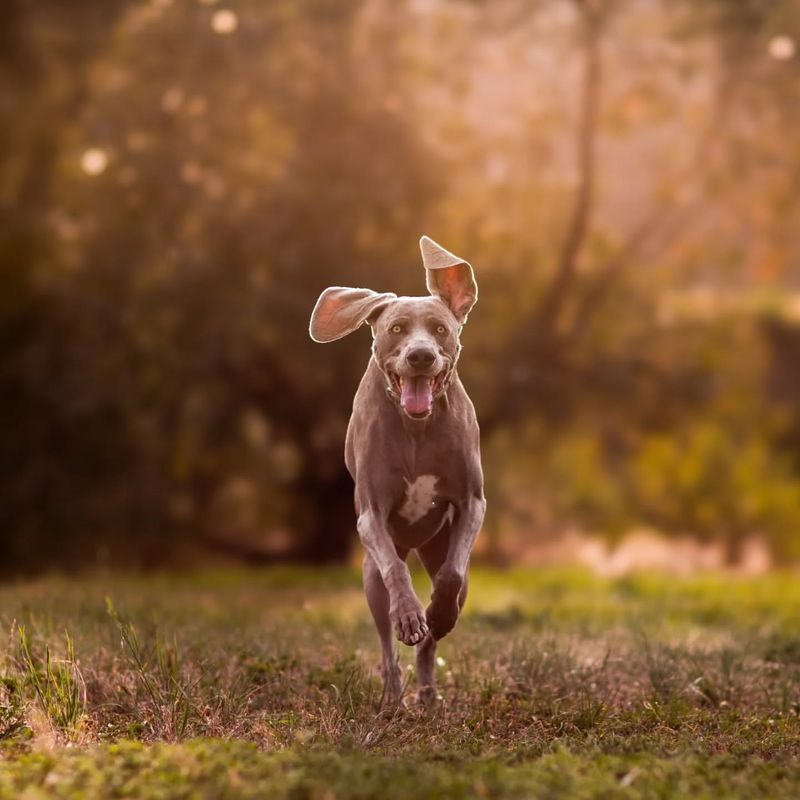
point(707, 450)
point(709, 481)
point(718, 486)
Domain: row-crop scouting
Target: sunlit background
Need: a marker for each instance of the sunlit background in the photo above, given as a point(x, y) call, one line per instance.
point(179, 179)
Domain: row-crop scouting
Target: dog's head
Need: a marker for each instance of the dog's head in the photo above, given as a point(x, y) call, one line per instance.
point(415, 339)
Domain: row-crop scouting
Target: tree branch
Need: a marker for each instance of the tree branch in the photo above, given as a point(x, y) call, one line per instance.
point(658, 222)
point(555, 295)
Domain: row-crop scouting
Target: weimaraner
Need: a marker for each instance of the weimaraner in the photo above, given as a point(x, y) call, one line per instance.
point(413, 450)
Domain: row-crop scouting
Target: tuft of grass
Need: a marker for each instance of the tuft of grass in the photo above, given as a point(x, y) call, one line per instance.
point(12, 700)
point(167, 693)
point(57, 683)
point(783, 649)
point(12, 719)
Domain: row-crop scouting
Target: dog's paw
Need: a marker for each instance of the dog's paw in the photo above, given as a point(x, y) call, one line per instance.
point(392, 679)
point(429, 698)
point(443, 611)
point(408, 618)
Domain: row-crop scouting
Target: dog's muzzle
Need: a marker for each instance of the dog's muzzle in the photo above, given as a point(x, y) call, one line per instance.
point(416, 394)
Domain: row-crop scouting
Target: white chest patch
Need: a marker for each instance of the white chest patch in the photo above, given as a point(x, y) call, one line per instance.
point(420, 496)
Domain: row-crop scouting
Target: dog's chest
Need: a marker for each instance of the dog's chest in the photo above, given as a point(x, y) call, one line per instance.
point(419, 499)
point(421, 512)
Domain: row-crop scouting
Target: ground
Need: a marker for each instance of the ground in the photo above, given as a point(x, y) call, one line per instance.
point(265, 684)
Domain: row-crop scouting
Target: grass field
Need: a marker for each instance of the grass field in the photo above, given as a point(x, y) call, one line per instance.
point(264, 684)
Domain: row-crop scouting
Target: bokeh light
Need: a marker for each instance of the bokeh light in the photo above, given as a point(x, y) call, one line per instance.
point(782, 48)
point(224, 21)
point(94, 161)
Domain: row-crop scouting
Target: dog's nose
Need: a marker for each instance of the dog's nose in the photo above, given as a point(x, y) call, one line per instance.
point(420, 357)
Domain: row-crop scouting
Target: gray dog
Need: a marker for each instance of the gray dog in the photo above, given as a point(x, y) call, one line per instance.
point(413, 450)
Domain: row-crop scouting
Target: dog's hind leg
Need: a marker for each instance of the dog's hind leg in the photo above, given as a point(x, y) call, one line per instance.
point(426, 655)
point(378, 601)
point(433, 555)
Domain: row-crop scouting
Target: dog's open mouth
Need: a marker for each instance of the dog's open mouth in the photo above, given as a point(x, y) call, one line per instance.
point(417, 392)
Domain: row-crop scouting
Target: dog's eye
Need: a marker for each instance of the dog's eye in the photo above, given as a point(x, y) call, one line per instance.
point(441, 329)
point(396, 329)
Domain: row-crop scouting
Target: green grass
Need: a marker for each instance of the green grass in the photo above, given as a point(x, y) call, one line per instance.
point(264, 683)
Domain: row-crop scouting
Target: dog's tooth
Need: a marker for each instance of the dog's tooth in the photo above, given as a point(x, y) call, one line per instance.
point(402, 381)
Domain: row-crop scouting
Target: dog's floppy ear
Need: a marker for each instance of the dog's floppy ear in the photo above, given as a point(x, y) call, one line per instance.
point(449, 278)
point(341, 310)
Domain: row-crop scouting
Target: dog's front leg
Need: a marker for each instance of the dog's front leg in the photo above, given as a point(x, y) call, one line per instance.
point(450, 582)
point(405, 610)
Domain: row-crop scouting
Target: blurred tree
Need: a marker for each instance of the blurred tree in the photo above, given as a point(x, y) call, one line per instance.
point(44, 51)
point(209, 184)
point(179, 180)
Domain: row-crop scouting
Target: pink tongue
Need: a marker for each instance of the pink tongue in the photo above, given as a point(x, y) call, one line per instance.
point(416, 395)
